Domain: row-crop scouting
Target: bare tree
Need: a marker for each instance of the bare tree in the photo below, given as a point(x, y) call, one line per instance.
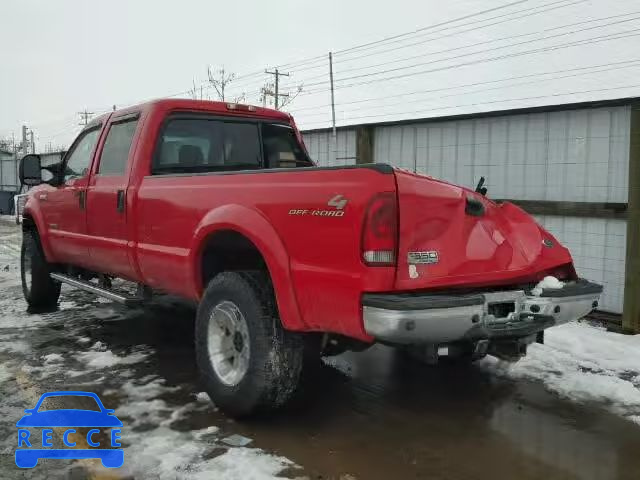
point(220, 80)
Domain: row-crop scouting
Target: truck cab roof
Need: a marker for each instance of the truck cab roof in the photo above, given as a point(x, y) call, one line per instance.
point(223, 108)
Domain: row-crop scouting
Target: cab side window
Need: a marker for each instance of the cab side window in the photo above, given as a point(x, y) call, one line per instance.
point(79, 159)
point(115, 153)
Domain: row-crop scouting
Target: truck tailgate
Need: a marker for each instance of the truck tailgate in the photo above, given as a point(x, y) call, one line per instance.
point(452, 236)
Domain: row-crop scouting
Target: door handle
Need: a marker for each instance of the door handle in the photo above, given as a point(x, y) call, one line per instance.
point(120, 201)
point(82, 196)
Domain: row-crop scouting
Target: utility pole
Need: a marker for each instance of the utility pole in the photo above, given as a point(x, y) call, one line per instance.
point(23, 145)
point(276, 93)
point(220, 83)
point(85, 117)
point(333, 106)
point(33, 143)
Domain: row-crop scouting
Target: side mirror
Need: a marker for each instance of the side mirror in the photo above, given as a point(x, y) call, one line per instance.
point(30, 170)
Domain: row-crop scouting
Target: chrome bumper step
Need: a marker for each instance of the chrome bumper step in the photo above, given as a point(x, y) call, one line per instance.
point(432, 318)
point(97, 290)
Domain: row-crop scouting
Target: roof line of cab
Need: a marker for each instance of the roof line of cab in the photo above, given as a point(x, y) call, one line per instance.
point(169, 104)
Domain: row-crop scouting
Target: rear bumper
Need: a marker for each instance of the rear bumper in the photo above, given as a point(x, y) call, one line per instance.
point(423, 318)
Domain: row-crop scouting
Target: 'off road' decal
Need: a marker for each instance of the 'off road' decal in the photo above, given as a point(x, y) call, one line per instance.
point(339, 202)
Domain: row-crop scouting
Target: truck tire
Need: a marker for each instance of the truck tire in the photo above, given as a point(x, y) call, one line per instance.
point(39, 289)
point(248, 362)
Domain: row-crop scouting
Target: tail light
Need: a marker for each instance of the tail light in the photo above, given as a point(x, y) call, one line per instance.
point(380, 231)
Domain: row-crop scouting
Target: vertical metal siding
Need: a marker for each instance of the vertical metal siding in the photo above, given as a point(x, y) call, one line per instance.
point(598, 250)
point(8, 174)
point(320, 146)
point(578, 155)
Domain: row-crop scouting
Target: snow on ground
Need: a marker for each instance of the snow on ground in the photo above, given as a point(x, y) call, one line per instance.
point(583, 363)
point(162, 452)
point(100, 357)
point(153, 449)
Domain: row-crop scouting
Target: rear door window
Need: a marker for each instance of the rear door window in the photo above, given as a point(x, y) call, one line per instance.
point(201, 145)
point(115, 153)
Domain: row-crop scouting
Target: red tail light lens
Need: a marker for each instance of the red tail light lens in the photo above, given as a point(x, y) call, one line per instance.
point(380, 231)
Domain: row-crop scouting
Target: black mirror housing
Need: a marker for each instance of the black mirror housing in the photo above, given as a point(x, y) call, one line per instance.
point(30, 170)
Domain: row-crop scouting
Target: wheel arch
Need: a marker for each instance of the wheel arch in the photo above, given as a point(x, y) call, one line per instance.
point(235, 237)
point(32, 221)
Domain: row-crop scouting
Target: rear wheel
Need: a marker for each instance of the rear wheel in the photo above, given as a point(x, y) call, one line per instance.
point(40, 290)
point(248, 362)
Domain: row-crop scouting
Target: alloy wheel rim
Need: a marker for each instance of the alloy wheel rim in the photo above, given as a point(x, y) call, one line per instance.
point(228, 343)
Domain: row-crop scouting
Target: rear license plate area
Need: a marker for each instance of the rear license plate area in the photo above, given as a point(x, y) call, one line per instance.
point(501, 309)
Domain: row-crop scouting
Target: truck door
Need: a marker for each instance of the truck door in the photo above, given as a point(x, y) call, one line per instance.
point(107, 199)
point(63, 207)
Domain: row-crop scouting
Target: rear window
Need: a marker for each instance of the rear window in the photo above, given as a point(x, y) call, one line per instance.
point(196, 145)
point(209, 145)
point(281, 147)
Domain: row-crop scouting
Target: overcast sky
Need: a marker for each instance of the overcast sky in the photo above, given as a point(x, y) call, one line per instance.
point(60, 57)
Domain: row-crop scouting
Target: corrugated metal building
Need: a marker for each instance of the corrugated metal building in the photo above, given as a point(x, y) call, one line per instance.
point(9, 183)
point(568, 165)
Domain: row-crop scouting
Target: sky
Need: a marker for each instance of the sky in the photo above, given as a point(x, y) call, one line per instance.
point(61, 57)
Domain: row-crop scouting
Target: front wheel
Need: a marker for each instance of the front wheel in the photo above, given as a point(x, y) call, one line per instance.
point(40, 290)
point(248, 362)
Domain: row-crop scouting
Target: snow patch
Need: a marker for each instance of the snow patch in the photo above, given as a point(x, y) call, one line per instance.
point(204, 432)
point(166, 454)
point(161, 452)
point(582, 363)
point(243, 464)
point(552, 283)
point(202, 397)
point(53, 358)
point(99, 357)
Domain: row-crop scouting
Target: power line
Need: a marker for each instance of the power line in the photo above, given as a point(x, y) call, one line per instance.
point(537, 97)
point(396, 69)
point(487, 82)
point(614, 66)
point(458, 33)
point(598, 39)
point(319, 61)
point(413, 57)
point(443, 32)
point(429, 27)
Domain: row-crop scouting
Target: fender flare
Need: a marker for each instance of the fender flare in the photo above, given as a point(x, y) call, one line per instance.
point(32, 211)
point(255, 227)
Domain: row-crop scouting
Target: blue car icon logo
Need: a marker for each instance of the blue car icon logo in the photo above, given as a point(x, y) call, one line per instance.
point(63, 422)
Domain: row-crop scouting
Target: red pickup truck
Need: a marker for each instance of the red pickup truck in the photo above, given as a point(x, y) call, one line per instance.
point(220, 203)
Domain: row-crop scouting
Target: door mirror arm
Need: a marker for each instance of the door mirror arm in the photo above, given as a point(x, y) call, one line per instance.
point(56, 174)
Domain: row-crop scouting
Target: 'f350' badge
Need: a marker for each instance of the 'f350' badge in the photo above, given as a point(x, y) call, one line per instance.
point(421, 258)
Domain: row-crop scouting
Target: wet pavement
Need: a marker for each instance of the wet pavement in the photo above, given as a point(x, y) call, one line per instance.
point(369, 415)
